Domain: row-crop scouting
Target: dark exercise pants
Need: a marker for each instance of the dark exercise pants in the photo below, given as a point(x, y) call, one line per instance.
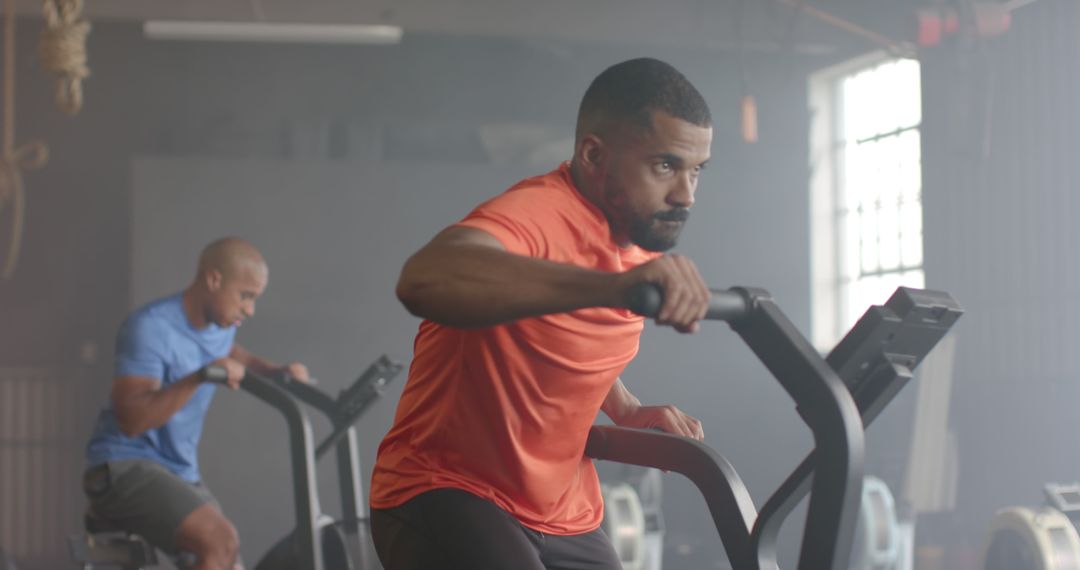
point(450, 529)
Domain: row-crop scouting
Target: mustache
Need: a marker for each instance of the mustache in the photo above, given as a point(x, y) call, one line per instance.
point(673, 215)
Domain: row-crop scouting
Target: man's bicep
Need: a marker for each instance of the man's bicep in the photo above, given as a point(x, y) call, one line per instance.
point(464, 235)
point(126, 388)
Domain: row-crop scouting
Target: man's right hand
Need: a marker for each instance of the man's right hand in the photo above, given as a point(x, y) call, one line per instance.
point(236, 371)
point(686, 296)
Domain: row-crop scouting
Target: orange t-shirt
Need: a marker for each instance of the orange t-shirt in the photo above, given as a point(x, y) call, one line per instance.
point(503, 412)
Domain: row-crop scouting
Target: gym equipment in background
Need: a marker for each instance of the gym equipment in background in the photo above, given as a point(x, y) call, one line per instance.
point(633, 517)
point(881, 541)
point(319, 542)
point(1044, 538)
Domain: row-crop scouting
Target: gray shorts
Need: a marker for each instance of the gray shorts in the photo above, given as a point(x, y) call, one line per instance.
point(145, 498)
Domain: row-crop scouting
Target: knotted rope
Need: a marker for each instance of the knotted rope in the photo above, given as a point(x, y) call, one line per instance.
point(63, 50)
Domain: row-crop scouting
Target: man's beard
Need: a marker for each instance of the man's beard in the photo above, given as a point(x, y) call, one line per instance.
point(653, 235)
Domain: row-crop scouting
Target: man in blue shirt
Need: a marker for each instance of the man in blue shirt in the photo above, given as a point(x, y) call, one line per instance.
point(143, 473)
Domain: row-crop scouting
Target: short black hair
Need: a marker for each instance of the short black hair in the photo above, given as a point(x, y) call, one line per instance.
point(630, 91)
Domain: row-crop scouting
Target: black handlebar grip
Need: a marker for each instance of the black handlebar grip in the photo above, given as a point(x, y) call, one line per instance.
point(215, 374)
point(725, 305)
point(645, 299)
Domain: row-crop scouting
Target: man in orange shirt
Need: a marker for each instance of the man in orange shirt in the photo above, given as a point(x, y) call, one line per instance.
point(526, 333)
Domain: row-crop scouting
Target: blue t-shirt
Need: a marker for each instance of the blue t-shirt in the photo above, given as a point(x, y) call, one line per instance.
point(157, 341)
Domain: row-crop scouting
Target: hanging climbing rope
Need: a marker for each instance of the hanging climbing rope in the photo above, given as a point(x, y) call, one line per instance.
point(62, 50)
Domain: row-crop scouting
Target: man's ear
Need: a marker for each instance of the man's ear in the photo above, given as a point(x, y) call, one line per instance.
point(590, 153)
point(213, 279)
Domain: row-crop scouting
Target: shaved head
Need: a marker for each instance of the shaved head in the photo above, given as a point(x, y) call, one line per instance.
point(232, 256)
point(232, 275)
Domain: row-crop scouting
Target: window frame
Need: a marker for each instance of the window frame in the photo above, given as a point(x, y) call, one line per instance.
point(828, 237)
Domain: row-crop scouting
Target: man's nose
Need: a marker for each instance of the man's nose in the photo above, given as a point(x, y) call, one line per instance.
point(682, 195)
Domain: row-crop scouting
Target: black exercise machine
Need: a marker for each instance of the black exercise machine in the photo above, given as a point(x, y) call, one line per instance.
point(319, 542)
point(836, 396)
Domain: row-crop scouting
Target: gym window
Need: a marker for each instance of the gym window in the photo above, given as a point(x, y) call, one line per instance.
point(866, 182)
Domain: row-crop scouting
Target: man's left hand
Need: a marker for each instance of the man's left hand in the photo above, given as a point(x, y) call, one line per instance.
point(664, 418)
point(297, 371)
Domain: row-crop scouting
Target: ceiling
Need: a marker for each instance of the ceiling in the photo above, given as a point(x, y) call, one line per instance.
point(766, 25)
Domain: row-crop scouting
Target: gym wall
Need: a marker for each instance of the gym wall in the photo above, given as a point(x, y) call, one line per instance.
point(1001, 137)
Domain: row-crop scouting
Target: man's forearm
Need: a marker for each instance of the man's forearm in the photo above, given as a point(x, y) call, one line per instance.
point(253, 361)
point(619, 402)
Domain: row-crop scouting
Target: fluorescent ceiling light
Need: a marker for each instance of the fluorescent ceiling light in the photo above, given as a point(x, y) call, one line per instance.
point(271, 32)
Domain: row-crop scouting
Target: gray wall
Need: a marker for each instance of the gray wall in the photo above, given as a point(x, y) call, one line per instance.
point(1001, 198)
point(340, 161)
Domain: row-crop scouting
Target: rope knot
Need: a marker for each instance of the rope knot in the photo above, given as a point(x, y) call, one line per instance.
point(63, 50)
